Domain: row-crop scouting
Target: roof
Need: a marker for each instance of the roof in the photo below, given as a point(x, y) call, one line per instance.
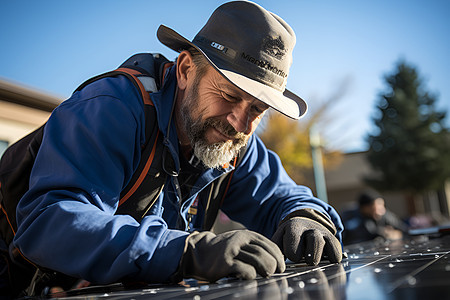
point(19, 94)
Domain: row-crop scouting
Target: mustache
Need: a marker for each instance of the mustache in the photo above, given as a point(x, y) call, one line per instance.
point(226, 129)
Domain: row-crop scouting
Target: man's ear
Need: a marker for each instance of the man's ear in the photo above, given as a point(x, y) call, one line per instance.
point(185, 69)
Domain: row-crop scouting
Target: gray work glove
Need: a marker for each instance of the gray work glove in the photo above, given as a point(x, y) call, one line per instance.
point(302, 238)
point(239, 253)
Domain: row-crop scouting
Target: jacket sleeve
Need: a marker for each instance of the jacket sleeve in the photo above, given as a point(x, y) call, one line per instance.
point(261, 193)
point(66, 222)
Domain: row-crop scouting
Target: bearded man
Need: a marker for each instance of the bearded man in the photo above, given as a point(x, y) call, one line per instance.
point(71, 220)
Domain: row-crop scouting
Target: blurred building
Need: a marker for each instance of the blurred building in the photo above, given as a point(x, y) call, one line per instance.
point(22, 110)
point(345, 182)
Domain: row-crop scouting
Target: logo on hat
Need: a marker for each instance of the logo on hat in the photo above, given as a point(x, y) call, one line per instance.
point(274, 47)
point(217, 46)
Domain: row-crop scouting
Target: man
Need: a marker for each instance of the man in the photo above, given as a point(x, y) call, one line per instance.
point(372, 220)
point(210, 104)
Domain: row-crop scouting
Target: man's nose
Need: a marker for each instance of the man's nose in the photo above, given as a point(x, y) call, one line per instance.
point(240, 119)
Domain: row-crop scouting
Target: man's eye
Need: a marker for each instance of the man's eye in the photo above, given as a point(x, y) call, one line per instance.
point(228, 97)
point(257, 109)
point(260, 109)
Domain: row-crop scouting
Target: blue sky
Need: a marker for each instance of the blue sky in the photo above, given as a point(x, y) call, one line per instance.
point(53, 46)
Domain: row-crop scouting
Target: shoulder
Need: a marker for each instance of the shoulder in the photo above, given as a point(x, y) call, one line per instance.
point(118, 86)
point(115, 94)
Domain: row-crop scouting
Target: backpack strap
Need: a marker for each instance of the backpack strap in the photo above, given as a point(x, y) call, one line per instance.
point(145, 70)
point(143, 170)
point(143, 84)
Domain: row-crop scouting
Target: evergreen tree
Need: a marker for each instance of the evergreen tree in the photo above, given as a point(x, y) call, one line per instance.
point(411, 150)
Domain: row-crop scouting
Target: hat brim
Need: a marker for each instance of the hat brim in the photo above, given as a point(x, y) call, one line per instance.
point(285, 102)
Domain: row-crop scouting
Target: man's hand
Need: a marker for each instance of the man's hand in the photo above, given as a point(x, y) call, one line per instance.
point(391, 233)
point(302, 238)
point(240, 253)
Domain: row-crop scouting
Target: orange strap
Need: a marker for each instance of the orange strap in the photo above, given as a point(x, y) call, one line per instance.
point(7, 219)
point(228, 184)
point(143, 173)
point(6, 215)
point(15, 250)
point(144, 93)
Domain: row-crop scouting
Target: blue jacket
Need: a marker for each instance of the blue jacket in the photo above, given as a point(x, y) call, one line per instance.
point(90, 149)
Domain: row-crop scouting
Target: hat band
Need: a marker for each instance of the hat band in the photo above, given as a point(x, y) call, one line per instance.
point(200, 40)
point(276, 80)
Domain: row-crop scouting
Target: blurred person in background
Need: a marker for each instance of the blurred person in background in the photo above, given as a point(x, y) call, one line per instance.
point(371, 220)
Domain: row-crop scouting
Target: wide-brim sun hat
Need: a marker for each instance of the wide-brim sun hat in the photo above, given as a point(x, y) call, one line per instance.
point(249, 46)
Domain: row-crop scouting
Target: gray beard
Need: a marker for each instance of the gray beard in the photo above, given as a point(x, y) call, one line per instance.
point(216, 155)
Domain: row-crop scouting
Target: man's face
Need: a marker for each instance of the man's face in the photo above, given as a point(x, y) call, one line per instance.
point(378, 208)
point(218, 118)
